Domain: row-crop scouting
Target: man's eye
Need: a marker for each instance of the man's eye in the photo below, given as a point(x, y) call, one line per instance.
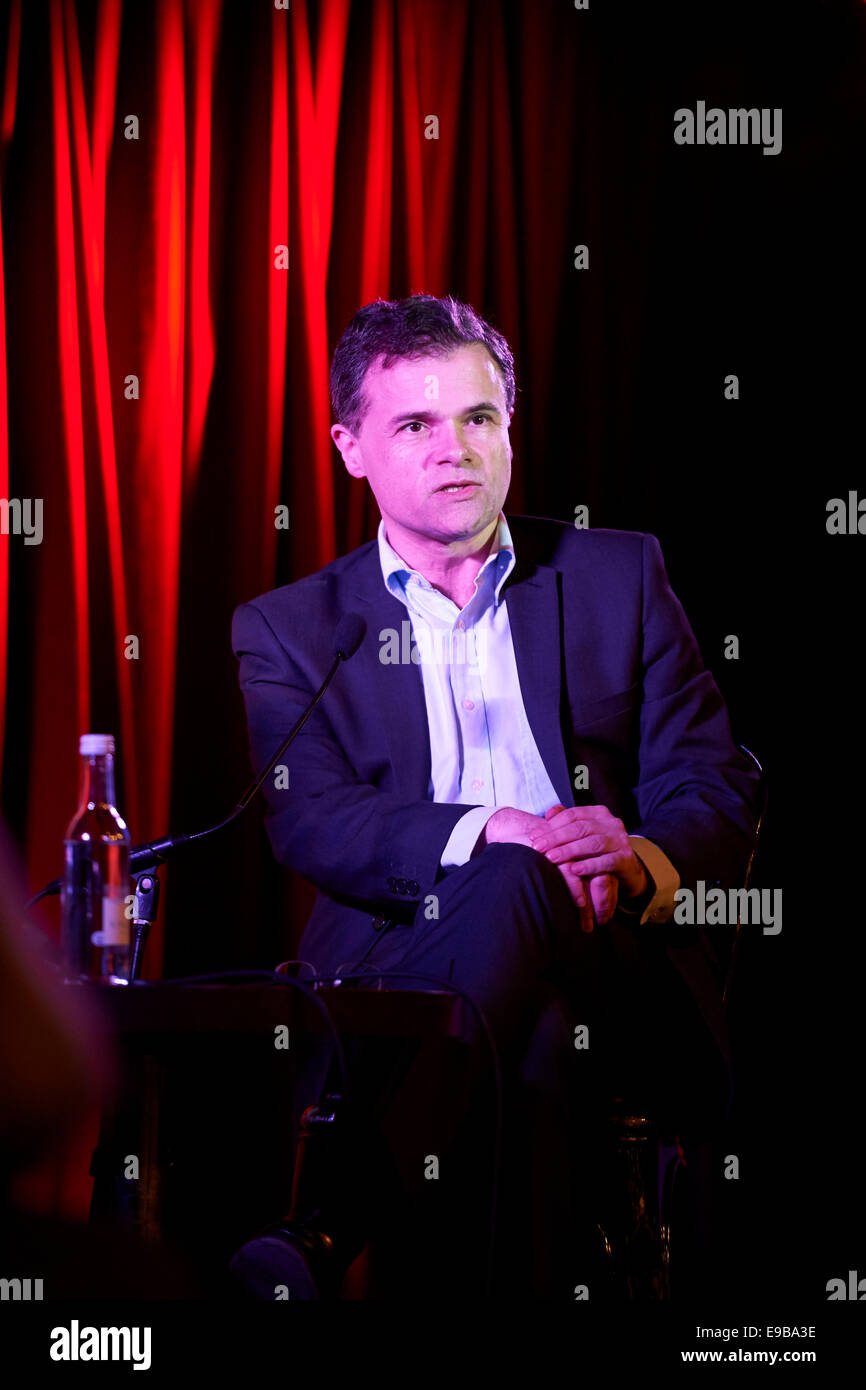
point(481, 415)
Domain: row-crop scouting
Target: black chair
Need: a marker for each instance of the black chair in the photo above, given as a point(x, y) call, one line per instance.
point(657, 1177)
point(647, 1158)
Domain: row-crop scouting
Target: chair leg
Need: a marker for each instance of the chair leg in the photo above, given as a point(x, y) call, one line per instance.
point(631, 1223)
point(671, 1163)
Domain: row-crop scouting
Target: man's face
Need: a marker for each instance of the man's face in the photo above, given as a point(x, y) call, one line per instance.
point(433, 421)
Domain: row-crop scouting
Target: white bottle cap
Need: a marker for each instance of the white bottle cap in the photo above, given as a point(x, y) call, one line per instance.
point(94, 744)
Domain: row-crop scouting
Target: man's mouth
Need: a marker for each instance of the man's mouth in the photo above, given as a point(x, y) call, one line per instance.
point(456, 488)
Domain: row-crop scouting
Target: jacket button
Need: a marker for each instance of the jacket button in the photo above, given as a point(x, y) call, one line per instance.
point(401, 885)
point(392, 884)
point(414, 888)
point(379, 923)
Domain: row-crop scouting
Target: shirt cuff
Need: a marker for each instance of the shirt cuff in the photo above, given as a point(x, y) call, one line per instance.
point(463, 838)
point(660, 907)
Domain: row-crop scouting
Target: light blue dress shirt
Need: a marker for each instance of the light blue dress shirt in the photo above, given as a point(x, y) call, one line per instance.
point(483, 753)
point(482, 750)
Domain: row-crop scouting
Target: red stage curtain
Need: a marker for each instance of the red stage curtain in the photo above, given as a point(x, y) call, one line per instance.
point(156, 258)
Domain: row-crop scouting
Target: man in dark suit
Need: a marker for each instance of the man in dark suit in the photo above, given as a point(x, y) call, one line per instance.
point(525, 759)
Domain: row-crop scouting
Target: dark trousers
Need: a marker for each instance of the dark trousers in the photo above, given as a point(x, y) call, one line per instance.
point(508, 934)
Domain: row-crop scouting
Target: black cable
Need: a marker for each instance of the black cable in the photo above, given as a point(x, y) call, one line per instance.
point(33, 901)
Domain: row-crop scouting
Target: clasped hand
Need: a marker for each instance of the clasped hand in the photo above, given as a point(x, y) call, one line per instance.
point(589, 845)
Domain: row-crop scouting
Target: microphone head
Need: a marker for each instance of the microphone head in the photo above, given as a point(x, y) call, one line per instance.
point(349, 635)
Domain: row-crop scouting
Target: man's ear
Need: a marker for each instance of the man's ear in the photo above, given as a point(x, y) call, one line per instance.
point(348, 447)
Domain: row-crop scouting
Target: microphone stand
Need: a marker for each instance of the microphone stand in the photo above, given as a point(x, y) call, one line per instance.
point(145, 859)
point(147, 883)
point(146, 904)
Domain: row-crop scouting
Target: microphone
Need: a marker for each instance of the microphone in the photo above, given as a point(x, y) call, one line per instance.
point(347, 639)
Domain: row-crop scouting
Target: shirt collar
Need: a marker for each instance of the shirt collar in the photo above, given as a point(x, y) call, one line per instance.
point(500, 561)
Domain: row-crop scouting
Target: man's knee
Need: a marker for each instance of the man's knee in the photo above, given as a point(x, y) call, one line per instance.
point(510, 890)
point(522, 863)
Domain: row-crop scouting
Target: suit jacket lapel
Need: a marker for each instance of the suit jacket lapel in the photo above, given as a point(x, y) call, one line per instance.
point(533, 601)
point(395, 689)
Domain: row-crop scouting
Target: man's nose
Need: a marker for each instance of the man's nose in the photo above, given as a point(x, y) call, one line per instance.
point(451, 445)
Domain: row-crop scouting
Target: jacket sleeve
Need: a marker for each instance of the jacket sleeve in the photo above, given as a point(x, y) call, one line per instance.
point(696, 793)
point(361, 845)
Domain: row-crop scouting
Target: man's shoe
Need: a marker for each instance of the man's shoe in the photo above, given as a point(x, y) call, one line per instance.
point(290, 1260)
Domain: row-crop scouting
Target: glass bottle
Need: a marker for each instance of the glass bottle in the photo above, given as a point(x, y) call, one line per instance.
point(96, 932)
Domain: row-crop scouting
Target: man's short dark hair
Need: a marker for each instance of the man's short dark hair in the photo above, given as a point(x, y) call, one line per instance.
point(391, 329)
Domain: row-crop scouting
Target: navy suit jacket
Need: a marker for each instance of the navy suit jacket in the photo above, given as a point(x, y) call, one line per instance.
point(611, 677)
